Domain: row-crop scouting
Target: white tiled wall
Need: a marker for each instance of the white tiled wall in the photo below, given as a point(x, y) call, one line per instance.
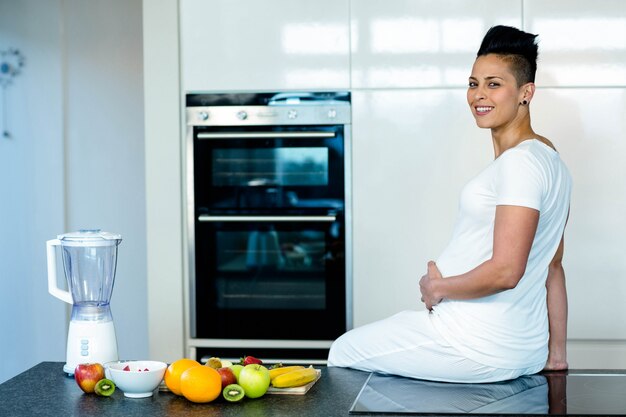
point(582, 43)
point(268, 45)
point(421, 43)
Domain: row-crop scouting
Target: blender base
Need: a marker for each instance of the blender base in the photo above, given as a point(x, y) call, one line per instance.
point(90, 342)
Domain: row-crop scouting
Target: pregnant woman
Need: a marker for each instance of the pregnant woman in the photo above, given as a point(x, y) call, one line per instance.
point(496, 299)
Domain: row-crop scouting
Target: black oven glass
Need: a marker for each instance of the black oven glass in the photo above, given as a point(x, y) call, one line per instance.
point(258, 278)
point(266, 174)
point(261, 268)
point(253, 167)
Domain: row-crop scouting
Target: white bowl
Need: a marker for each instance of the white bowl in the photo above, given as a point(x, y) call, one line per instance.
point(136, 382)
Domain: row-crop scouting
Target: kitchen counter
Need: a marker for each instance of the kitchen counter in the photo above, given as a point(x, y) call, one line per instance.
point(45, 390)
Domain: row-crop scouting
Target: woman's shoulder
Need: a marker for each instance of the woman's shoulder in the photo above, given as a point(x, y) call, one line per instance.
point(537, 147)
point(546, 142)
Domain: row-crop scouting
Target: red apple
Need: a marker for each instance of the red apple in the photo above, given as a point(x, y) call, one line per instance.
point(228, 377)
point(87, 376)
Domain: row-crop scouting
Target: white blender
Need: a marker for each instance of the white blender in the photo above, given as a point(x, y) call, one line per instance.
point(89, 261)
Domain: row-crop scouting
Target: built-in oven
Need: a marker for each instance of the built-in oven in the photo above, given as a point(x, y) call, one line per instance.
point(268, 224)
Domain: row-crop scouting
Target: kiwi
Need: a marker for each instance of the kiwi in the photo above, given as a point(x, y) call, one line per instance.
point(233, 392)
point(104, 387)
point(214, 363)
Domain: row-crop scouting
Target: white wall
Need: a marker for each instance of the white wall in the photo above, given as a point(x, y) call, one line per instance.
point(32, 323)
point(76, 161)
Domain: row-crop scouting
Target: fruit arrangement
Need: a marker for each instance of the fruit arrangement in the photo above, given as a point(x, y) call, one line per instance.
point(249, 378)
point(198, 383)
point(90, 378)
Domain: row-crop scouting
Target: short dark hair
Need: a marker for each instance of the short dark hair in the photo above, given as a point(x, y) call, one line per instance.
point(516, 47)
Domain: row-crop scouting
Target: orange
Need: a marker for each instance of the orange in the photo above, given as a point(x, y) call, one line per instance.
point(174, 371)
point(201, 384)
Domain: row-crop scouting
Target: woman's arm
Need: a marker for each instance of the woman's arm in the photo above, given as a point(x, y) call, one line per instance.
point(514, 231)
point(557, 313)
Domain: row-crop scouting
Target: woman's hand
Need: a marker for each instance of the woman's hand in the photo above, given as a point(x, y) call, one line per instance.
point(428, 285)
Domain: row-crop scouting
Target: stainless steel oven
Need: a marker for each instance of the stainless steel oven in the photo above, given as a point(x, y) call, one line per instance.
point(268, 224)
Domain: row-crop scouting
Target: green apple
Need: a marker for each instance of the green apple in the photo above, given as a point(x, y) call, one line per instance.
point(236, 370)
point(255, 380)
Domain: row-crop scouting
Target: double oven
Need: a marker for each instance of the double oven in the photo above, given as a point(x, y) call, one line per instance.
point(268, 224)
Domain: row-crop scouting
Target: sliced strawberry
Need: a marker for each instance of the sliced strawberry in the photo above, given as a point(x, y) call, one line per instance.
point(146, 369)
point(126, 368)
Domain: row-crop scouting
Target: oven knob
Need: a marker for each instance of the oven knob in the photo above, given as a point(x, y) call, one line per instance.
point(292, 114)
point(332, 113)
point(203, 115)
point(242, 115)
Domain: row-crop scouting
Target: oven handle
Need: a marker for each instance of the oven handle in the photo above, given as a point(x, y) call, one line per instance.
point(207, 218)
point(264, 135)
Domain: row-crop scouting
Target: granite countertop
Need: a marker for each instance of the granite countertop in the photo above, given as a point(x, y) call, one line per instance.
point(45, 390)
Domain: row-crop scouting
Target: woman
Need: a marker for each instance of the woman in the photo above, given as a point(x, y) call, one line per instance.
point(496, 300)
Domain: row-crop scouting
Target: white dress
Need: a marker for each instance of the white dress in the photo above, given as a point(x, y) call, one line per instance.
point(498, 337)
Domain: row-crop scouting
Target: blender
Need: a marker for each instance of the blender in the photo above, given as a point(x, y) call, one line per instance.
point(89, 261)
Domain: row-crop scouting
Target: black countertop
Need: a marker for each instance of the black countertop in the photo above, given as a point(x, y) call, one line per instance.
point(45, 390)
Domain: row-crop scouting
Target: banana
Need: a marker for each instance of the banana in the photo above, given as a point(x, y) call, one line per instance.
point(283, 370)
point(295, 378)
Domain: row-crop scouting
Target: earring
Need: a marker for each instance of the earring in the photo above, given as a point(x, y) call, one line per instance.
point(524, 102)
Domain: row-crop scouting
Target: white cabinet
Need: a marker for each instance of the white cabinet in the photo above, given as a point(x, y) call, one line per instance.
point(412, 152)
point(269, 45)
point(580, 43)
point(587, 126)
point(421, 43)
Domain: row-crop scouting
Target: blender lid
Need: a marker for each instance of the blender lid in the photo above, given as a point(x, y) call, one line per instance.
point(90, 237)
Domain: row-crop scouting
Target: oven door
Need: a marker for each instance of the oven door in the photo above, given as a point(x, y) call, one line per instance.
point(269, 277)
point(268, 169)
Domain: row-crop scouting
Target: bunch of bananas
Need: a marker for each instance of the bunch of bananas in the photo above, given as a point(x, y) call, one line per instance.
point(292, 376)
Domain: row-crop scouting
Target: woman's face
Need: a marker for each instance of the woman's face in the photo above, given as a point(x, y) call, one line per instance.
point(493, 94)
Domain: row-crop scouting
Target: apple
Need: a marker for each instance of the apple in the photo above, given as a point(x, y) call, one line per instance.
point(236, 370)
point(228, 377)
point(87, 376)
point(226, 363)
point(255, 380)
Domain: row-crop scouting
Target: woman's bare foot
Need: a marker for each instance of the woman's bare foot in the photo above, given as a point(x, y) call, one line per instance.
point(556, 365)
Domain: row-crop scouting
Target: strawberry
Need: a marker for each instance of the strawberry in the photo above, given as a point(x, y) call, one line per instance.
point(247, 360)
point(126, 368)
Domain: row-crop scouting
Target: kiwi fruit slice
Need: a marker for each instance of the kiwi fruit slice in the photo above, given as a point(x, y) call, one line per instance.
point(233, 392)
point(104, 387)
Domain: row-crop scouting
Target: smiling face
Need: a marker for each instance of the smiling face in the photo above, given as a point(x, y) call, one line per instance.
point(493, 94)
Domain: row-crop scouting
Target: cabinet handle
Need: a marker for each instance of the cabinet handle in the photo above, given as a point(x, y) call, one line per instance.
point(265, 135)
point(207, 218)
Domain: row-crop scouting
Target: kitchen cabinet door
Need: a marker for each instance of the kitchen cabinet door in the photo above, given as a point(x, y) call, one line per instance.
point(270, 45)
point(413, 150)
point(580, 43)
point(421, 43)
